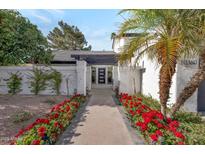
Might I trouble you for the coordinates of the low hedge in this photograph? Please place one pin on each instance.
(47, 129)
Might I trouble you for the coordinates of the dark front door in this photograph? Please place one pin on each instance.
(201, 98)
(101, 75)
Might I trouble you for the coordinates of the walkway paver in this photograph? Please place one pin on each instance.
(99, 123)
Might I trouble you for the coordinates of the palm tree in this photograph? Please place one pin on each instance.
(166, 35)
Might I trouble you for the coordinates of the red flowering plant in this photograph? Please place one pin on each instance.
(154, 127)
(46, 130)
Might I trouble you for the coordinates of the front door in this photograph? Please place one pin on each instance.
(101, 75)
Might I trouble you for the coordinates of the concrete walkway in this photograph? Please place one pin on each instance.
(99, 122)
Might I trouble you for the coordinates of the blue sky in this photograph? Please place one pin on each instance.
(97, 25)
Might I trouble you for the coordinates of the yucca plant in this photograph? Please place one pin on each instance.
(165, 36)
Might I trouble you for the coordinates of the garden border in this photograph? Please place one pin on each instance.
(69, 132)
(135, 135)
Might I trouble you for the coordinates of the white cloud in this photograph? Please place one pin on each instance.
(56, 12)
(42, 18)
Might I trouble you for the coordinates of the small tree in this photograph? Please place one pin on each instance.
(38, 81)
(14, 83)
(56, 78)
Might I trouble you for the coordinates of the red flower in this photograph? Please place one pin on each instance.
(139, 99)
(138, 111)
(138, 123)
(169, 120)
(173, 129)
(56, 115)
(41, 134)
(174, 124)
(159, 133)
(160, 116)
(67, 108)
(159, 125)
(143, 127)
(36, 142)
(30, 127)
(61, 126)
(147, 120)
(179, 135)
(56, 124)
(41, 129)
(180, 143)
(154, 137)
(20, 133)
(45, 121)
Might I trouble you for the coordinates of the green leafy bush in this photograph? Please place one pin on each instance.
(14, 83)
(38, 81)
(188, 117)
(55, 78)
(150, 101)
(195, 133)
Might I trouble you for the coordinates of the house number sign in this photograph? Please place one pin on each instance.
(189, 62)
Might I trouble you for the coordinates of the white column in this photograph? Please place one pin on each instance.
(88, 77)
(96, 75)
(106, 74)
(115, 77)
(81, 77)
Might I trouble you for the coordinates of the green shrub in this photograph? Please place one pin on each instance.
(150, 101)
(188, 117)
(195, 133)
(55, 78)
(38, 81)
(14, 83)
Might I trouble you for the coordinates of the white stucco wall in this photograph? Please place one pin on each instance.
(115, 77)
(150, 78)
(129, 79)
(119, 44)
(150, 82)
(81, 69)
(185, 71)
(68, 73)
(88, 77)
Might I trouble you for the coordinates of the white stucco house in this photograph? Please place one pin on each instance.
(84, 70)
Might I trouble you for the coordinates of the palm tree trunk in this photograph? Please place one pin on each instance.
(166, 74)
(191, 86)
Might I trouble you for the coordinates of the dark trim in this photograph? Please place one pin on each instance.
(63, 62)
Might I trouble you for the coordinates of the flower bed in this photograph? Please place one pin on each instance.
(152, 125)
(46, 129)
